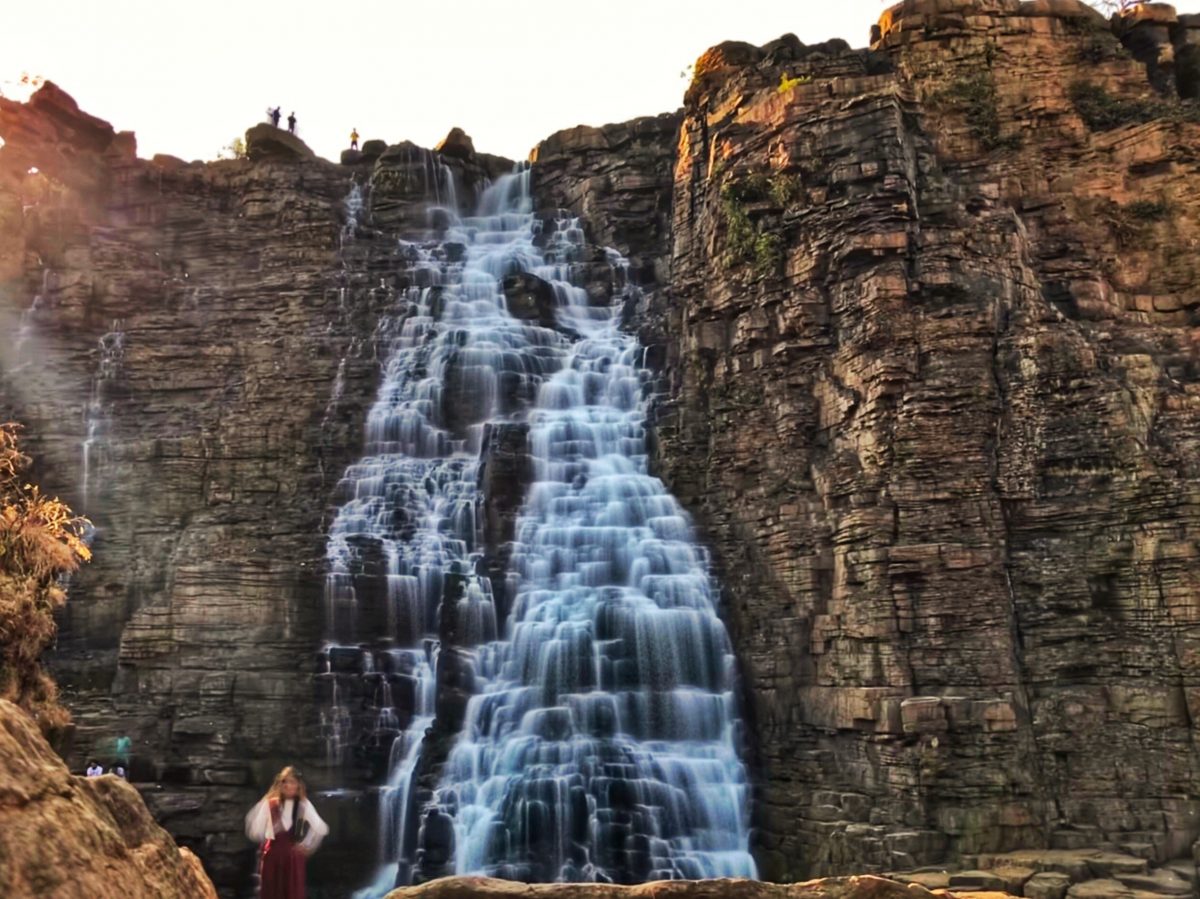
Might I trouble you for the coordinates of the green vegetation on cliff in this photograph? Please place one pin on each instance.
(1101, 111)
(40, 541)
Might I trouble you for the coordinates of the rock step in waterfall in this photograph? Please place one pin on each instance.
(600, 738)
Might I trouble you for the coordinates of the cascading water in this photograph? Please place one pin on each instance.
(25, 326)
(456, 362)
(600, 742)
(97, 419)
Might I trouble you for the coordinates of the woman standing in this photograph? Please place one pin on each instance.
(290, 829)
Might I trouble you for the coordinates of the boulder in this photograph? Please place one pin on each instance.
(373, 149)
(457, 144)
(530, 299)
(1047, 885)
(265, 142)
(351, 157)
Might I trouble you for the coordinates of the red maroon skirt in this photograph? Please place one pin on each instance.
(282, 869)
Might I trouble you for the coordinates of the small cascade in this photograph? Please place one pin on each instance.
(354, 204)
(97, 413)
(600, 737)
(397, 838)
(28, 320)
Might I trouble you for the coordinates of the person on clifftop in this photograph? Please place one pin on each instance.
(289, 830)
(274, 114)
(292, 122)
(353, 138)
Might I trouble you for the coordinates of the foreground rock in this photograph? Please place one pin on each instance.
(68, 836)
(833, 888)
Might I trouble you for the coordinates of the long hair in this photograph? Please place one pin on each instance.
(276, 790)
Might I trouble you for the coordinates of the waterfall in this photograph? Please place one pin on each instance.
(600, 740)
(28, 321)
(97, 414)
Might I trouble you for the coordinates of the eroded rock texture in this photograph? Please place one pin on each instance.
(192, 348)
(68, 836)
(934, 396)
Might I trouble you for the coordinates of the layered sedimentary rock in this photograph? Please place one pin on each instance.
(933, 393)
(191, 349)
(69, 836)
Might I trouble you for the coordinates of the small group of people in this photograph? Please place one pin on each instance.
(273, 115)
(95, 769)
(289, 830)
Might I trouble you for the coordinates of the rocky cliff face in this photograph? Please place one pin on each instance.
(925, 320)
(71, 836)
(931, 389)
(191, 350)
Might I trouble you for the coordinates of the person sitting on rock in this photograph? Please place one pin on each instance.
(289, 829)
(94, 770)
(292, 122)
(117, 770)
(353, 138)
(274, 114)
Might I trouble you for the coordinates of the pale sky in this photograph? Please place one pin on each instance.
(190, 77)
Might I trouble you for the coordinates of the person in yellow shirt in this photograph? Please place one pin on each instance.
(353, 138)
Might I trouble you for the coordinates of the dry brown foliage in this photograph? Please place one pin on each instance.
(40, 542)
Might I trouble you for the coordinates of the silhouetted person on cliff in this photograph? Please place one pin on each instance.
(292, 123)
(274, 114)
(353, 138)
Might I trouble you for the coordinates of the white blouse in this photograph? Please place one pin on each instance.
(259, 825)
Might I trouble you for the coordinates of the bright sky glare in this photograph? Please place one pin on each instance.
(189, 78)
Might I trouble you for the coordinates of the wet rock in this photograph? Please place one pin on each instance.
(531, 299)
